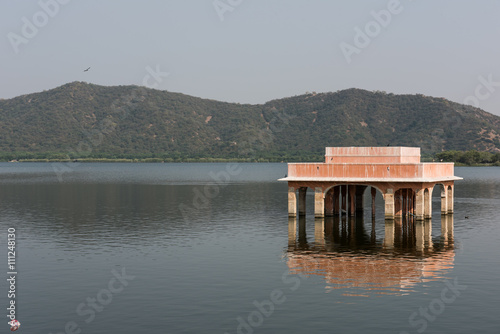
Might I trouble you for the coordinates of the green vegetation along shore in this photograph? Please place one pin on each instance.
(460, 158)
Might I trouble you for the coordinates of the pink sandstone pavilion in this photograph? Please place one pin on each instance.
(405, 183)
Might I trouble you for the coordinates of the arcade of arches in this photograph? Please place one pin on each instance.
(404, 199)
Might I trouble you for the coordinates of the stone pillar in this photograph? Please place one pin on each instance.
(404, 210)
(419, 204)
(352, 200)
(336, 206)
(444, 200)
(413, 203)
(397, 204)
(428, 203)
(329, 203)
(360, 190)
(389, 204)
(319, 203)
(374, 193)
(292, 202)
(450, 191)
(343, 207)
(302, 200)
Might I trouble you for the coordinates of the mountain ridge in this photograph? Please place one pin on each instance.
(80, 120)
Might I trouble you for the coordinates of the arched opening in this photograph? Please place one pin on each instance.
(349, 199)
(404, 202)
(300, 201)
(336, 200)
(439, 199)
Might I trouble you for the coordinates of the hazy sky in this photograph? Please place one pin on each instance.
(253, 51)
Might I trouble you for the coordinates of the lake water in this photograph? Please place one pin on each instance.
(209, 248)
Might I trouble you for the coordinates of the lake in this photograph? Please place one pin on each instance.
(209, 248)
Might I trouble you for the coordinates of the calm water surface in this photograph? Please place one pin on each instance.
(208, 248)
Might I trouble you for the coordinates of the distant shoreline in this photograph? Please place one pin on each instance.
(149, 160)
(197, 160)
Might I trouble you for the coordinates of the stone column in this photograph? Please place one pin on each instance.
(444, 200)
(428, 203)
(389, 204)
(343, 195)
(360, 190)
(319, 203)
(404, 210)
(336, 195)
(292, 202)
(450, 191)
(352, 200)
(329, 203)
(397, 204)
(413, 203)
(419, 204)
(302, 200)
(374, 193)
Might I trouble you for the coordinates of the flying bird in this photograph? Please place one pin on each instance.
(86, 69)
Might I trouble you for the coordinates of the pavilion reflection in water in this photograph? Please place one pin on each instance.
(350, 256)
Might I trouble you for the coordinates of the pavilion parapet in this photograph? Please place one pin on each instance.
(388, 171)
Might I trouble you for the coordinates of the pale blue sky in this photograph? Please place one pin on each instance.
(261, 50)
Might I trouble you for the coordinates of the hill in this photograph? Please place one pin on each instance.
(85, 120)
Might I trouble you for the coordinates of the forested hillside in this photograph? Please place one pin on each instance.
(80, 120)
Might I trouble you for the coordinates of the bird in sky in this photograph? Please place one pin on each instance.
(86, 69)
